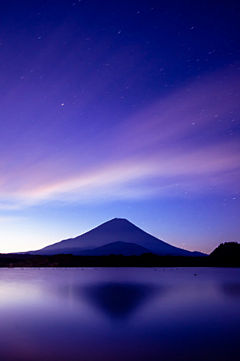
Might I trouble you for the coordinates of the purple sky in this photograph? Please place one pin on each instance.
(119, 109)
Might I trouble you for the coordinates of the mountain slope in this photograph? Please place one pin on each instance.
(126, 249)
(115, 230)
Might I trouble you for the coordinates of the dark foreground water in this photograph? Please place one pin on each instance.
(120, 314)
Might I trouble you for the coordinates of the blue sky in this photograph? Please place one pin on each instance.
(119, 109)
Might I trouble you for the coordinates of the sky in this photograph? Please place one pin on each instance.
(127, 109)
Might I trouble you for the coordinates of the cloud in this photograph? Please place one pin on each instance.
(187, 142)
(4, 219)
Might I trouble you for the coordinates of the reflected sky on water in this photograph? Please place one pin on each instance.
(115, 314)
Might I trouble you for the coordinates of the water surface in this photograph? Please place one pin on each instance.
(120, 314)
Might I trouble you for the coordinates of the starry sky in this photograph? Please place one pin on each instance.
(126, 109)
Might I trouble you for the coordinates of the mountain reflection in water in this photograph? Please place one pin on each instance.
(118, 300)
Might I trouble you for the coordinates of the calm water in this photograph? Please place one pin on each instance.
(120, 314)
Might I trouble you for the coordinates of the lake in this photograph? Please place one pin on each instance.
(120, 314)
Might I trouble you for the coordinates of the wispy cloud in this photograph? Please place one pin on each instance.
(187, 142)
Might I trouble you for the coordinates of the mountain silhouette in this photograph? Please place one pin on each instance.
(118, 236)
(226, 255)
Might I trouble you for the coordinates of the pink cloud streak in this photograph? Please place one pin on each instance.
(181, 142)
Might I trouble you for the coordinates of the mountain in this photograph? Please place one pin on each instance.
(116, 235)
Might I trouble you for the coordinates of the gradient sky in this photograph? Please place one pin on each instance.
(124, 109)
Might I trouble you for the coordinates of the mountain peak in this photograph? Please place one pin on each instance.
(116, 223)
(118, 220)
